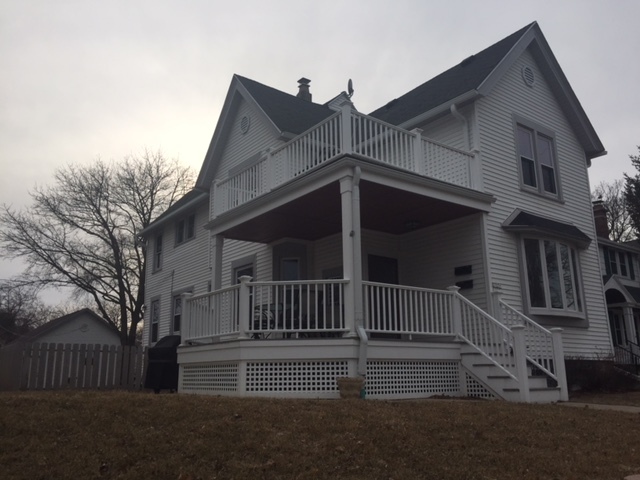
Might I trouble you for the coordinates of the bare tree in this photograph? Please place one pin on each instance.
(632, 193)
(21, 310)
(83, 232)
(618, 216)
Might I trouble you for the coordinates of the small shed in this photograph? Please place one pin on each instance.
(82, 327)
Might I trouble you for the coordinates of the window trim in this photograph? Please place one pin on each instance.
(175, 295)
(622, 260)
(537, 130)
(184, 226)
(575, 274)
(158, 254)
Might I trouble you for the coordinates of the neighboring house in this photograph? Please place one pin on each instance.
(435, 245)
(82, 327)
(621, 278)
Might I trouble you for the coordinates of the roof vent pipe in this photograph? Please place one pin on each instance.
(303, 89)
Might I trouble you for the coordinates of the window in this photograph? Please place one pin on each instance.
(177, 312)
(537, 160)
(552, 276)
(185, 229)
(618, 262)
(154, 317)
(157, 254)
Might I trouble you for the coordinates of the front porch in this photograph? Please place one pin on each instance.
(247, 340)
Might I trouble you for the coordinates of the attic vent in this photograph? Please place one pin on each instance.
(244, 124)
(528, 75)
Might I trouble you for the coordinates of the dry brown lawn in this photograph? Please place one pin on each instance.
(631, 399)
(121, 435)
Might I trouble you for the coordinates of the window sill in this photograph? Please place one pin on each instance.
(551, 319)
(548, 196)
(176, 245)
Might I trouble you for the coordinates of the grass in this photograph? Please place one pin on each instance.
(631, 399)
(123, 435)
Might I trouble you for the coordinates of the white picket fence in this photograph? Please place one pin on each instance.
(50, 366)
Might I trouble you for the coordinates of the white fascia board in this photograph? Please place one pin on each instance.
(179, 211)
(443, 108)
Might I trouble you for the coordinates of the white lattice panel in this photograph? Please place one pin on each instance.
(295, 376)
(475, 388)
(412, 378)
(210, 378)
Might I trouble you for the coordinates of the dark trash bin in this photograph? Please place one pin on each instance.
(162, 369)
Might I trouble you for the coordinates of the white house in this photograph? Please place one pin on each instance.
(442, 244)
(620, 266)
(83, 326)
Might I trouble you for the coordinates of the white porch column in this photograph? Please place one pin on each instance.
(629, 324)
(347, 139)
(217, 242)
(348, 233)
(520, 356)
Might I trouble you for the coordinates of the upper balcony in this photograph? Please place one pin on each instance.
(347, 133)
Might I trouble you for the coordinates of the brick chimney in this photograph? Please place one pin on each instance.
(600, 218)
(303, 89)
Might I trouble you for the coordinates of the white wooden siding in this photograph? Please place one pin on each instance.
(183, 266)
(450, 131)
(501, 178)
(241, 147)
(429, 256)
(236, 250)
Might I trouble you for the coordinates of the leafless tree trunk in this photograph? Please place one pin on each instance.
(83, 231)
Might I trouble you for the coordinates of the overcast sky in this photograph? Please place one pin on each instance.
(86, 79)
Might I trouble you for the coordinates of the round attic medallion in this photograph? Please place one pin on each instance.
(528, 76)
(244, 124)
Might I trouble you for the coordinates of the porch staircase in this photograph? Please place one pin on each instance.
(512, 356)
(501, 382)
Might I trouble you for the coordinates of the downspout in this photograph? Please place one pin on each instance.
(463, 122)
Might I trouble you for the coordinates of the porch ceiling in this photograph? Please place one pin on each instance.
(318, 214)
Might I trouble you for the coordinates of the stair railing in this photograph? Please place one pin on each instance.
(544, 349)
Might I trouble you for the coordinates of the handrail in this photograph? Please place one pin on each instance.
(344, 132)
(402, 309)
(490, 337)
(539, 340)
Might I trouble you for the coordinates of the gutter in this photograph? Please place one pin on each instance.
(187, 206)
(362, 354)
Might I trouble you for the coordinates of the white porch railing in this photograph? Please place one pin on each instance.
(210, 315)
(300, 307)
(259, 309)
(345, 132)
(407, 310)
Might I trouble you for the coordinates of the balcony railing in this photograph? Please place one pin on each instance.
(346, 132)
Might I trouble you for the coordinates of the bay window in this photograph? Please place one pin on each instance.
(551, 272)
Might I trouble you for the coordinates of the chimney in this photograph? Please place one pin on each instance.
(600, 218)
(303, 89)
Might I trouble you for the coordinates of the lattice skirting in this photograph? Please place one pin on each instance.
(386, 379)
(309, 377)
(211, 378)
(475, 388)
(412, 379)
(283, 378)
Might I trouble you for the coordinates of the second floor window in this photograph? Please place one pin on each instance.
(157, 254)
(618, 262)
(185, 229)
(537, 160)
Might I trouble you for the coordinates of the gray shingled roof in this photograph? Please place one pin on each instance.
(464, 77)
(288, 112)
